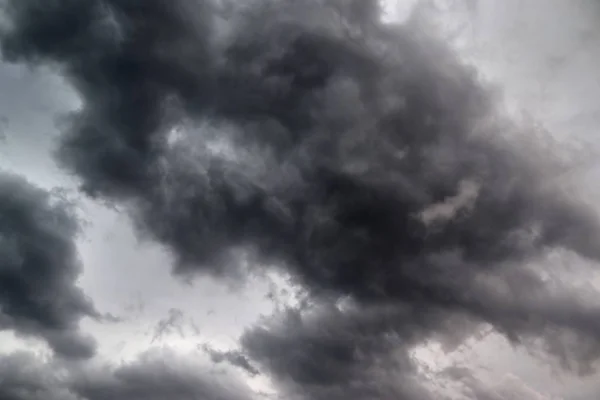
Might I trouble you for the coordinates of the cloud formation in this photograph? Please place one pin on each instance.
(335, 353)
(154, 375)
(39, 267)
(235, 358)
(361, 159)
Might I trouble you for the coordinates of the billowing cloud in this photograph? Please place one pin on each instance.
(39, 267)
(332, 352)
(361, 159)
(154, 375)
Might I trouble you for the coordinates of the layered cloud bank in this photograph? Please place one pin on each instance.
(361, 159)
(154, 375)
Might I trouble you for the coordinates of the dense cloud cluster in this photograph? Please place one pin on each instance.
(39, 267)
(359, 158)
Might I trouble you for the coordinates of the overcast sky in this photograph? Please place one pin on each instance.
(315, 200)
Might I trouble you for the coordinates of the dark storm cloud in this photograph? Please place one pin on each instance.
(154, 375)
(39, 266)
(328, 352)
(348, 351)
(362, 159)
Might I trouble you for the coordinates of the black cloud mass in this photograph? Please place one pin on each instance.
(362, 159)
(39, 266)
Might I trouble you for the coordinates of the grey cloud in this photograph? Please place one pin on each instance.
(23, 376)
(310, 136)
(39, 267)
(173, 322)
(328, 352)
(159, 375)
(508, 387)
(154, 375)
(233, 357)
(346, 351)
(3, 128)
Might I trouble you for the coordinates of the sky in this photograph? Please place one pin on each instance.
(299, 200)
